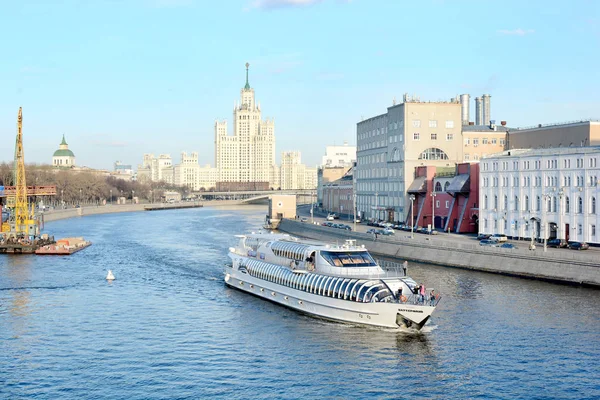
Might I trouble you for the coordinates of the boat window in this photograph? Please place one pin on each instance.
(310, 283)
(352, 290)
(382, 295)
(325, 285)
(336, 287)
(329, 286)
(318, 284)
(368, 294)
(348, 259)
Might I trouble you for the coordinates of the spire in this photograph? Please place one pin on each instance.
(247, 84)
(64, 142)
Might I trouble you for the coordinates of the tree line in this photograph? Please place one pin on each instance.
(86, 187)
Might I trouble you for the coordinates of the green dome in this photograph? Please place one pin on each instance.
(63, 153)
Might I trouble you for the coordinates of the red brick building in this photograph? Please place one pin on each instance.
(446, 196)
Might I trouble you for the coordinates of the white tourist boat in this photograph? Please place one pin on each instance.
(337, 282)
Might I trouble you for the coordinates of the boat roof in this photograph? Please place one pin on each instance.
(286, 240)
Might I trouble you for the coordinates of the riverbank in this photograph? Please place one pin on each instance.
(568, 267)
(56, 215)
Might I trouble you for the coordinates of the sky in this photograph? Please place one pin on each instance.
(121, 78)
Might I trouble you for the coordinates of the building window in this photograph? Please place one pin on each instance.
(505, 202)
(475, 142)
(434, 136)
(446, 185)
(494, 141)
(579, 229)
(416, 123)
(516, 203)
(495, 202)
(579, 205)
(501, 142)
(467, 142)
(593, 205)
(437, 204)
(416, 136)
(484, 141)
(485, 223)
(485, 202)
(433, 154)
(467, 157)
(449, 124)
(432, 124)
(438, 187)
(593, 230)
(449, 136)
(447, 204)
(538, 204)
(567, 205)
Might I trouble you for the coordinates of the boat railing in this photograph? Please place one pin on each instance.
(392, 269)
(417, 299)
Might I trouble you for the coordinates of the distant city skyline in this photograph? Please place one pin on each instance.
(117, 90)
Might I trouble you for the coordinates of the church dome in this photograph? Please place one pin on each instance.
(63, 153)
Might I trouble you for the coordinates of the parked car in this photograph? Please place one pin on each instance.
(373, 231)
(578, 246)
(508, 246)
(499, 237)
(488, 242)
(386, 232)
(483, 236)
(330, 217)
(558, 243)
(303, 219)
(346, 227)
(433, 232)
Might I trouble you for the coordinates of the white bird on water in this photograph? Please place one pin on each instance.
(110, 276)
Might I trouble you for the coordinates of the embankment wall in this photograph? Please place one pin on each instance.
(571, 267)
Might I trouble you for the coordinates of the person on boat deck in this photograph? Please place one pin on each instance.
(400, 292)
(422, 292)
(432, 298)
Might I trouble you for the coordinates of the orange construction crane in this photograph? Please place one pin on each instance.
(23, 214)
(46, 190)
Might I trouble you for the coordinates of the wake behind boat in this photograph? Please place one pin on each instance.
(338, 282)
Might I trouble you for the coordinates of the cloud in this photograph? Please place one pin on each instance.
(516, 32)
(275, 4)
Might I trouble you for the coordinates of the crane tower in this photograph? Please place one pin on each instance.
(24, 221)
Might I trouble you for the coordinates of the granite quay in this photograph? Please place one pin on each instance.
(578, 268)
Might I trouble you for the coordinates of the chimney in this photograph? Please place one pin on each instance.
(465, 100)
(478, 111)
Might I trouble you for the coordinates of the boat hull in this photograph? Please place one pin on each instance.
(388, 315)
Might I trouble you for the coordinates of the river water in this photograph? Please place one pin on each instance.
(169, 328)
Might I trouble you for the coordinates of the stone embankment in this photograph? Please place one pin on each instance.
(567, 267)
(59, 214)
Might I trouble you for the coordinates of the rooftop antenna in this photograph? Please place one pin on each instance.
(247, 84)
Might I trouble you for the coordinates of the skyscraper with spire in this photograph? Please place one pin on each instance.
(245, 159)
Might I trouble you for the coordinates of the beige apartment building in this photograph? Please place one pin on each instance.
(248, 155)
(391, 145)
(571, 134)
(295, 175)
(483, 140)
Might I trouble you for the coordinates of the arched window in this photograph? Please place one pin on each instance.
(433, 154)
(495, 202)
(567, 205)
(593, 205)
(526, 208)
(579, 205)
(446, 186)
(485, 203)
(505, 203)
(538, 203)
(516, 203)
(438, 187)
(553, 204)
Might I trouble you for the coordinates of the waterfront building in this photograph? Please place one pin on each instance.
(569, 134)
(123, 169)
(541, 193)
(482, 140)
(325, 175)
(63, 157)
(448, 196)
(391, 145)
(294, 174)
(339, 156)
(155, 169)
(338, 196)
(186, 172)
(245, 159)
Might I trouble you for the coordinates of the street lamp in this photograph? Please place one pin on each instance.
(412, 217)
(111, 197)
(80, 197)
(432, 194)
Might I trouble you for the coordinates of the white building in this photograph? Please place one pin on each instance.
(547, 193)
(190, 174)
(63, 157)
(339, 156)
(391, 145)
(156, 169)
(294, 174)
(249, 154)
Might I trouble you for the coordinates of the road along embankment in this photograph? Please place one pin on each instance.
(569, 267)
